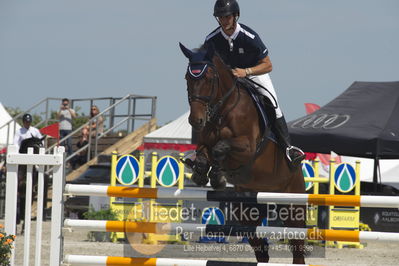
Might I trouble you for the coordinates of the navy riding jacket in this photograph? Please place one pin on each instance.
(242, 49)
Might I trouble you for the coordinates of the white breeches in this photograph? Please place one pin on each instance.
(270, 93)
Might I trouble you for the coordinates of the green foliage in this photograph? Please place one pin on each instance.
(364, 227)
(80, 119)
(6, 244)
(16, 111)
(100, 215)
(108, 215)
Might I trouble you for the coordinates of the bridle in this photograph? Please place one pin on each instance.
(212, 107)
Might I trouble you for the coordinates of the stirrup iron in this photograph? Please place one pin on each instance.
(289, 148)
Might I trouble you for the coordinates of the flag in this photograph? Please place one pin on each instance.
(52, 130)
(311, 107)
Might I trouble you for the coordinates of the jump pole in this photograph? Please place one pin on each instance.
(231, 230)
(231, 196)
(123, 261)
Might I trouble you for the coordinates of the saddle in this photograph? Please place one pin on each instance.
(263, 105)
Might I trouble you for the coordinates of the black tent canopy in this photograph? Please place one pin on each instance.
(363, 121)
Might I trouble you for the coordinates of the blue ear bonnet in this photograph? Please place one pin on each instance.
(197, 70)
(198, 64)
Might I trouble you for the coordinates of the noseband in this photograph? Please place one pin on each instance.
(197, 71)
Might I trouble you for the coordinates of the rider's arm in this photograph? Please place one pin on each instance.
(36, 133)
(264, 66)
(17, 139)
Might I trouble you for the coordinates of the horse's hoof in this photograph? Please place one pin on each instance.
(219, 183)
(216, 176)
(188, 162)
(200, 180)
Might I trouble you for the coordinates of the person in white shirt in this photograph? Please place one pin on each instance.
(65, 116)
(27, 131)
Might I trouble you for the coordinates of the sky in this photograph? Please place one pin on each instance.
(104, 48)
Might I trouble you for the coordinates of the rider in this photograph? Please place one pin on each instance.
(242, 49)
(26, 131)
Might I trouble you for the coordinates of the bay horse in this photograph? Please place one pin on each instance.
(232, 145)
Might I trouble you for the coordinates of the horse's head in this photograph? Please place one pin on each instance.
(202, 82)
(35, 143)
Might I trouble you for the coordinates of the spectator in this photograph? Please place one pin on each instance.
(81, 157)
(26, 131)
(97, 125)
(65, 116)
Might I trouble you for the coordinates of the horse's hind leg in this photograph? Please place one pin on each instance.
(259, 245)
(297, 219)
(297, 246)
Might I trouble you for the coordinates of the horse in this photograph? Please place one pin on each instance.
(233, 145)
(36, 144)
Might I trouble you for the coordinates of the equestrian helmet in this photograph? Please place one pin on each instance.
(224, 8)
(27, 118)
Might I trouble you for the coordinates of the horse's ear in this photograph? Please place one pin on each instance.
(187, 52)
(44, 136)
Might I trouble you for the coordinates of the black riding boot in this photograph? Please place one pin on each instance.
(294, 154)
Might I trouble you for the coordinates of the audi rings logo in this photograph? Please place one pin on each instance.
(326, 121)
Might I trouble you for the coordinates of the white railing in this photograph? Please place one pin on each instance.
(55, 160)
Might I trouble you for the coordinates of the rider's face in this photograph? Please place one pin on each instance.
(26, 124)
(227, 23)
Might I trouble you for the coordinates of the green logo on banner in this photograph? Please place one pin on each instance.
(345, 177)
(127, 170)
(307, 171)
(167, 171)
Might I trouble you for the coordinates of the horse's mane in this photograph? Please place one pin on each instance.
(204, 47)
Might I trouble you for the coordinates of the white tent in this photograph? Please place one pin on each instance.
(4, 118)
(389, 169)
(177, 131)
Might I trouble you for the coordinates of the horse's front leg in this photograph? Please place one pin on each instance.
(228, 154)
(200, 167)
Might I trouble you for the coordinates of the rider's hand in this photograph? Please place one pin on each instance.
(239, 72)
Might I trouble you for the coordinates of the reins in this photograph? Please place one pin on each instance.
(215, 115)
